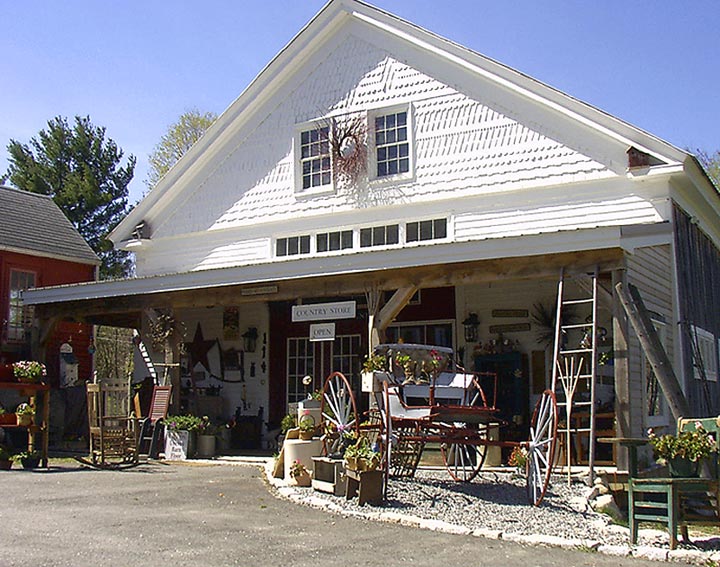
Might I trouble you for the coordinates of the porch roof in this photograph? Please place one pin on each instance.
(120, 302)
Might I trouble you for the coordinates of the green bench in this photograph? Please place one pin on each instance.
(676, 501)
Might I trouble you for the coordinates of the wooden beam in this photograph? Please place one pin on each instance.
(640, 320)
(394, 305)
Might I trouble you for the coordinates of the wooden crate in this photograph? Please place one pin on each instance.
(329, 475)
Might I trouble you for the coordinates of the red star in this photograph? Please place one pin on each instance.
(198, 350)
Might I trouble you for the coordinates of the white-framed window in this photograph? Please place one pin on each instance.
(313, 158)
(419, 231)
(332, 241)
(656, 412)
(392, 154)
(292, 245)
(379, 235)
(705, 354)
(19, 316)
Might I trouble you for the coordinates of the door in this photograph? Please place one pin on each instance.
(318, 360)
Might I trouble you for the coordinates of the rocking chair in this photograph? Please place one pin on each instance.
(151, 427)
(113, 431)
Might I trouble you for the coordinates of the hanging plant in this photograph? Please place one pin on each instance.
(543, 317)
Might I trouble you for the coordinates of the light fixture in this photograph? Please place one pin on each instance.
(250, 339)
(471, 324)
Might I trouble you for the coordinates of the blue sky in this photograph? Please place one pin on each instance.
(135, 66)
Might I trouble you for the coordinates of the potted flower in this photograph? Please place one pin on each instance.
(180, 436)
(6, 458)
(29, 459)
(24, 414)
(205, 438)
(372, 365)
(29, 371)
(307, 427)
(683, 452)
(361, 457)
(299, 474)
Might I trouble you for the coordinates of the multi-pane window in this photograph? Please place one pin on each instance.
(379, 235)
(19, 316)
(292, 245)
(705, 357)
(392, 147)
(329, 241)
(426, 230)
(315, 157)
(300, 363)
(346, 355)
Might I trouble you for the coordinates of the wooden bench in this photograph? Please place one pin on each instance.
(675, 501)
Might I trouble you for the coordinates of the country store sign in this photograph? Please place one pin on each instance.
(323, 311)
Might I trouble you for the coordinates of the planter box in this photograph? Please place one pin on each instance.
(373, 381)
(176, 445)
(329, 475)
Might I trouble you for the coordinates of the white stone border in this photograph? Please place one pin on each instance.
(689, 556)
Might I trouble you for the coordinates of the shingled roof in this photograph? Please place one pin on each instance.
(33, 224)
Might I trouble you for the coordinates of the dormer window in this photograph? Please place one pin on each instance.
(314, 158)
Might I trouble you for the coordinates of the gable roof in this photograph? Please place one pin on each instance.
(465, 63)
(33, 224)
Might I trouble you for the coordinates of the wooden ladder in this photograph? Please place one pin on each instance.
(575, 360)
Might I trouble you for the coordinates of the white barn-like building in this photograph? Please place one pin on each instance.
(372, 155)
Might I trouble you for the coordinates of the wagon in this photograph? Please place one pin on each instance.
(420, 396)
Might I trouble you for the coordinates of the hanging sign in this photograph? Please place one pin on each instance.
(323, 311)
(322, 332)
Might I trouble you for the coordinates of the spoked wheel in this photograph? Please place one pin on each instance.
(541, 447)
(463, 460)
(338, 412)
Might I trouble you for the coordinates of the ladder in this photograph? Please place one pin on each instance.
(575, 360)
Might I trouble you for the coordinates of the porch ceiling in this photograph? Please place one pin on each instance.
(108, 308)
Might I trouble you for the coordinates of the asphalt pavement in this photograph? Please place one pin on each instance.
(190, 514)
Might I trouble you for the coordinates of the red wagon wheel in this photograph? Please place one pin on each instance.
(338, 412)
(541, 447)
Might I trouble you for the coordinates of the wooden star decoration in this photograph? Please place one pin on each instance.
(198, 350)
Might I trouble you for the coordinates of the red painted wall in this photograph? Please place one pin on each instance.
(48, 272)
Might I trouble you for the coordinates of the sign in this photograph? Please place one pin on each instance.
(511, 328)
(322, 332)
(510, 313)
(323, 311)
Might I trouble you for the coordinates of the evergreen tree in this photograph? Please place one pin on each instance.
(80, 169)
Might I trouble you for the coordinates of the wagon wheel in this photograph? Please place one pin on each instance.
(541, 447)
(338, 412)
(463, 460)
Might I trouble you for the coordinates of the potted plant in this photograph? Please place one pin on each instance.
(29, 459)
(361, 457)
(206, 432)
(180, 436)
(307, 427)
(299, 474)
(24, 414)
(29, 371)
(6, 458)
(683, 452)
(373, 364)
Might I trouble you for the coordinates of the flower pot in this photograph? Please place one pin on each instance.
(680, 467)
(206, 446)
(24, 420)
(307, 435)
(302, 479)
(351, 463)
(29, 463)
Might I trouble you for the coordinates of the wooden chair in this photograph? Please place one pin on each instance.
(677, 501)
(151, 428)
(113, 430)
